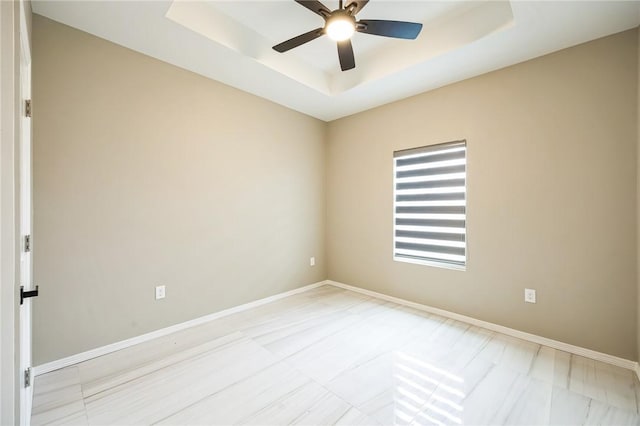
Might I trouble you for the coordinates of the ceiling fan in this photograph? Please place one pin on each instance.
(340, 24)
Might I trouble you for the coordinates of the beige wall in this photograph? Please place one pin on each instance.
(638, 202)
(551, 195)
(146, 174)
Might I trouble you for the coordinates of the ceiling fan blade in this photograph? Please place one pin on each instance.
(315, 6)
(356, 6)
(345, 54)
(396, 29)
(298, 41)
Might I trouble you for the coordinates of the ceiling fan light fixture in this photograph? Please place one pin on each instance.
(340, 26)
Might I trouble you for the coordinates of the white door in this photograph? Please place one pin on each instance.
(26, 393)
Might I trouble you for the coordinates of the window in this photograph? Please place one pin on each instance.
(430, 205)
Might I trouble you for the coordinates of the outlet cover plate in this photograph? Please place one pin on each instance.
(529, 295)
(160, 292)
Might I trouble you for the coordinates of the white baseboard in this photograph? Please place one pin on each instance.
(103, 350)
(577, 350)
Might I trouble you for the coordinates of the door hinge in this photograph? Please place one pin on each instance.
(27, 377)
(27, 108)
(27, 243)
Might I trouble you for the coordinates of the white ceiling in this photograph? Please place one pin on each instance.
(230, 41)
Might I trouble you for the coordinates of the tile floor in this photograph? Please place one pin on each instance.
(331, 356)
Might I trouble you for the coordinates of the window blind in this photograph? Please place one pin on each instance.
(430, 204)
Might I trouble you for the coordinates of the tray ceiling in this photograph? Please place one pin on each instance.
(230, 41)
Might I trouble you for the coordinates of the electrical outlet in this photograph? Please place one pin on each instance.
(529, 295)
(160, 292)
(312, 261)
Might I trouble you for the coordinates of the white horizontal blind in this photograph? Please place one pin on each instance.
(430, 204)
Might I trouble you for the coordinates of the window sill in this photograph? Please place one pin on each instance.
(431, 263)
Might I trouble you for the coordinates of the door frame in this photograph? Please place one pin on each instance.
(9, 401)
(10, 109)
(25, 200)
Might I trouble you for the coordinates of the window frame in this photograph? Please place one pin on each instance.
(430, 261)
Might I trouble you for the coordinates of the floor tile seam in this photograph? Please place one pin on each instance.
(555, 387)
(589, 405)
(512, 384)
(288, 336)
(548, 404)
(523, 392)
(596, 400)
(480, 349)
(286, 361)
(605, 402)
(361, 405)
(221, 390)
(492, 333)
(431, 339)
(59, 419)
(374, 355)
(84, 404)
(418, 316)
(406, 331)
(422, 406)
(274, 402)
(243, 333)
(430, 398)
(484, 376)
(359, 321)
(476, 354)
(442, 329)
(362, 361)
(347, 412)
(351, 369)
(323, 386)
(151, 362)
(533, 360)
(274, 317)
(56, 405)
(326, 304)
(477, 351)
(282, 397)
(181, 362)
(319, 400)
(82, 411)
(53, 393)
(604, 389)
(297, 323)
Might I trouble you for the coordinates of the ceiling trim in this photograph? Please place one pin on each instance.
(462, 25)
(207, 21)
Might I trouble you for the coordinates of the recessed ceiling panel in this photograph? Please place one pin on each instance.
(253, 27)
